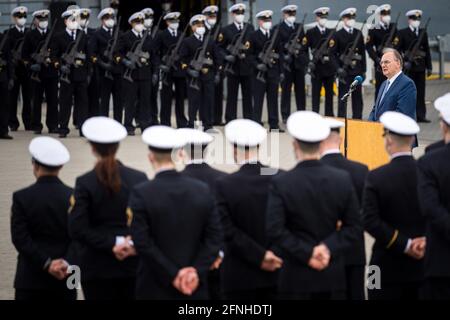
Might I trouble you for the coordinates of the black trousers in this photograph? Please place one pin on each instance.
(167, 95)
(397, 291)
(379, 79)
(137, 102)
(296, 78)
(45, 295)
(269, 88)
(22, 81)
(336, 295)
(201, 101)
(317, 83)
(49, 86)
(260, 294)
(110, 87)
(154, 104)
(218, 103)
(355, 282)
(94, 95)
(76, 93)
(214, 288)
(4, 107)
(419, 80)
(109, 289)
(437, 289)
(356, 99)
(233, 83)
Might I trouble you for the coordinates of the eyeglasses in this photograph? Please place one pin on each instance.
(386, 62)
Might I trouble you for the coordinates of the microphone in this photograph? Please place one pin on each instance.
(358, 80)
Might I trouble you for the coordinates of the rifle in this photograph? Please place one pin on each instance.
(268, 55)
(412, 54)
(319, 52)
(388, 42)
(156, 28)
(110, 49)
(199, 61)
(348, 56)
(293, 46)
(3, 63)
(235, 48)
(170, 59)
(137, 57)
(16, 54)
(42, 55)
(69, 58)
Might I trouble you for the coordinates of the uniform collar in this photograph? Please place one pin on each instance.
(264, 32)
(194, 161)
(48, 179)
(19, 28)
(239, 25)
(348, 29)
(106, 29)
(198, 36)
(42, 31)
(321, 29)
(290, 25)
(136, 34)
(330, 151)
(401, 154)
(69, 32)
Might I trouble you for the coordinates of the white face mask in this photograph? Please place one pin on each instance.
(174, 25)
(290, 19)
(323, 22)
(72, 25)
(386, 19)
(350, 23)
(110, 23)
(267, 25)
(200, 31)
(43, 25)
(239, 18)
(148, 23)
(84, 23)
(139, 28)
(21, 22)
(415, 23)
(212, 22)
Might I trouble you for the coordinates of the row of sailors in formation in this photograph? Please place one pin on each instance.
(201, 233)
(239, 59)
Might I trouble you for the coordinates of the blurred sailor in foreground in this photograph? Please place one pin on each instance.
(99, 220)
(355, 256)
(434, 196)
(392, 214)
(251, 260)
(304, 207)
(175, 226)
(39, 227)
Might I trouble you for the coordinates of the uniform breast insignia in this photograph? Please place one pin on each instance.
(305, 41)
(331, 43)
(129, 213)
(72, 204)
(395, 41)
(247, 45)
(220, 37)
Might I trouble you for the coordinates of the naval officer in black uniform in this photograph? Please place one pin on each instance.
(99, 220)
(355, 256)
(249, 270)
(39, 227)
(304, 207)
(175, 228)
(434, 191)
(6, 73)
(238, 68)
(392, 214)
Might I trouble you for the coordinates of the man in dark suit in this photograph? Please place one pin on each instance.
(201, 84)
(398, 92)
(20, 78)
(173, 75)
(6, 73)
(137, 85)
(355, 62)
(175, 229)
(39, 227)
(44, 77)
(109, 72)
(323, 72)
(73, 79)
(392, 214)
(304, 207)
(434, 191)
(266, 77)
(197, 168)
(249, 270)
(378, 40)
(419, 66)
(355, 256)
(238, 68)
(294, 65)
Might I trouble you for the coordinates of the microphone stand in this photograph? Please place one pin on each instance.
(344, 99)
